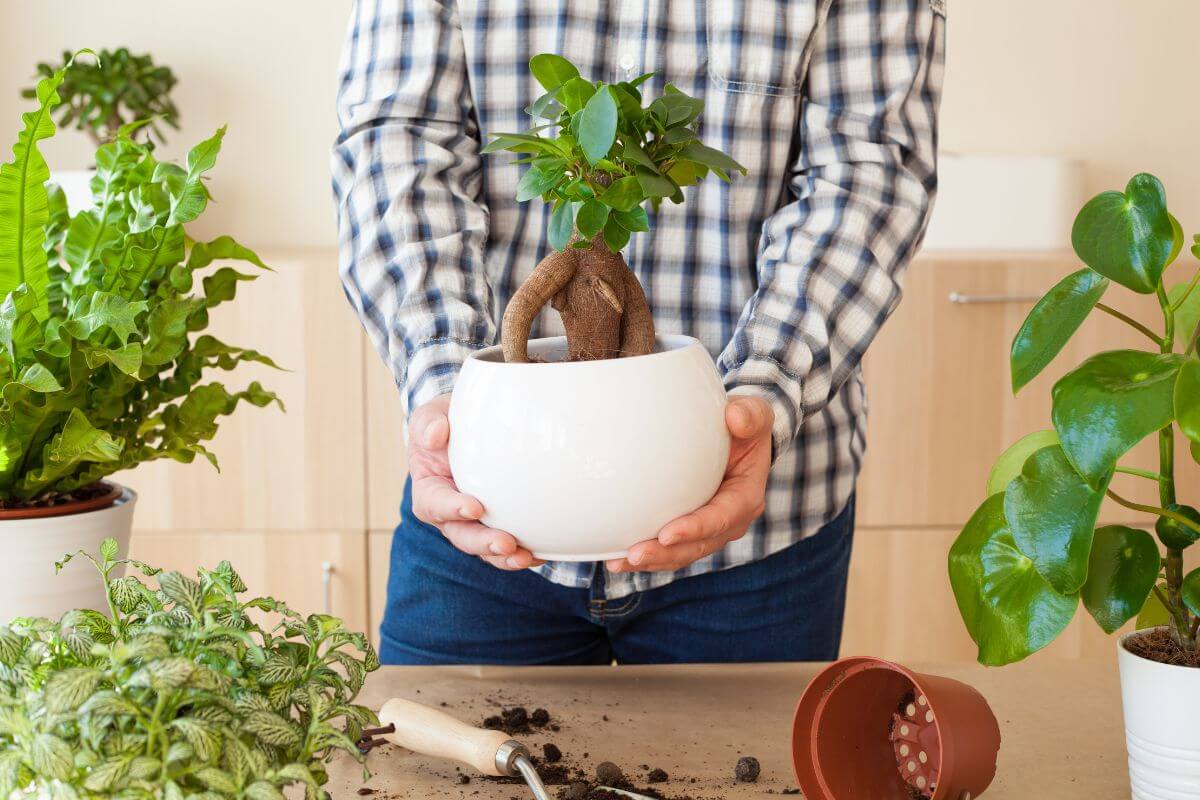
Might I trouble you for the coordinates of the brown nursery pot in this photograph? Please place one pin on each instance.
(107, 494)
(868, 729)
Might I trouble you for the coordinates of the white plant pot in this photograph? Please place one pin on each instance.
(31, 546)
(76, 185)
(1162, 727)
(580, 460)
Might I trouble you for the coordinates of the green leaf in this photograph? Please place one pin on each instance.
(1191, 591)
(710, 157)
(51, 757)
(271, 729)
(202, 735)
(221, 286)
(66, 690)
(1186, 397)
(1051, 510)
(1127, 236)
(535, 183)
(218, 780)
(653, 184)
(219, 249)
(1174, 533)
(167, 327)
(575, 94)
(634, 154)
(1052, 322)
(190, 197)
(1008, 607)
(591, 219)
(1121, 572)
(624, 194)
(615, 236)
(182, 590)
(77, 442)
(37, 378)
(1187, 316)
(1153, 614)
(24, 204)
(1110, 403)
(562, 224)
(109, 549)
(104, 311)
(633, 220)
(1008, 466)
(598, 126)
(551, 70)
(261, 790)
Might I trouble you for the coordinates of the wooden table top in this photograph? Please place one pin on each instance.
(1060, 722)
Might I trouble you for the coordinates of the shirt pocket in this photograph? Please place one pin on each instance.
(760, 46)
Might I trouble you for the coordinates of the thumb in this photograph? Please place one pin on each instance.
(430, 429)
(748, 417)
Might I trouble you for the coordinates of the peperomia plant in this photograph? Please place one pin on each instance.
(607, 157)
(117, 88)
(99, 368)
(180, 690)
(1032, 551)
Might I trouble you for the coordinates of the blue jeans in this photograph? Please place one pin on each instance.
(446, 607)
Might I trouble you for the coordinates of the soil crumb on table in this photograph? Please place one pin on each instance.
(747, 769)
(1157, 645)
(518, 720)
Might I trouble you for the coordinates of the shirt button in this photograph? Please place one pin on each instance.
(626, 65)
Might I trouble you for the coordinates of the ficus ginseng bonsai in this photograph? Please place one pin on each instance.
(99, 366)
(183, 689)
(1032, 551)
(608, 156)
(114, 89)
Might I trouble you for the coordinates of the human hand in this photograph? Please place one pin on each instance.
(738, 502)
(437, 500)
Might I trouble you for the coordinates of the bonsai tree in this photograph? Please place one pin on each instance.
(183, 689)
(607, 156)
(116, 89)
(100, 364)
(1032, 551)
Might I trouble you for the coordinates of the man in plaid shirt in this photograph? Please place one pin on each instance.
(786, 276)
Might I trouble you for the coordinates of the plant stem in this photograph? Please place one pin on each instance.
(1141, 473)
(1178, 304)
(1155, 510)
(1130, 321)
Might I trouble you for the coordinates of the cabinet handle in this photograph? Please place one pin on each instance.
(982, 299)
(327, 585)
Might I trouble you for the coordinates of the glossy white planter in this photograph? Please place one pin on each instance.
(31, 546)
(1162, 727)
(580, 460)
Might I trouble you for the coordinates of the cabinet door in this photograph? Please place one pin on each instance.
(387, 465)
(302, 469)
(940, 396)
(319, 572)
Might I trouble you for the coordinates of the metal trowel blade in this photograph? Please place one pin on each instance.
(624, 793)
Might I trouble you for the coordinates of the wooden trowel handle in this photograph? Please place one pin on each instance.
(433, 733)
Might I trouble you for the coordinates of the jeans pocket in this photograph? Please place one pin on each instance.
(760, 46)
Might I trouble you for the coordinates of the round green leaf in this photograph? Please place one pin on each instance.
(615, 237)
(1052, 322)
(597, 127)
(591, 218)
(1051, 511)
(551, 70)
(1174, 533)
(575, 93)
(1191, 591)
(1121, 572)
(562, 223)
(1008, 607)
(1187, 399)
(1187, 316)
(1008, 466)
(1177, 241)
(1153, 614)
(1127, 236)
(623, 195)
(633, 220)
(1110, 403)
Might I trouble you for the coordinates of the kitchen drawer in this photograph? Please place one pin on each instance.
(940, 396)
(299, 470)
(317, 572)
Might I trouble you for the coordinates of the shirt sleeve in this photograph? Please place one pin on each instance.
(408, 186)
(830, 263)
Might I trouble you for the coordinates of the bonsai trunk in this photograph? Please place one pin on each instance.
(602, 305)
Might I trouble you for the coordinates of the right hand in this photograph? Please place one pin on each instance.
(437, 501)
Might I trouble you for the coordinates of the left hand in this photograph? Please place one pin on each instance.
(738, 502)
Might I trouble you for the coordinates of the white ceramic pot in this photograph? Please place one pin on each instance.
(580, 460)
(77, 186)
(31, 546)
(1162, 727)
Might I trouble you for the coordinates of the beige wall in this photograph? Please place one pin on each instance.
(1111, 82)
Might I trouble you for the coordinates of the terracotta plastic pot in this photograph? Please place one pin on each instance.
(868, 729)
(34, 538)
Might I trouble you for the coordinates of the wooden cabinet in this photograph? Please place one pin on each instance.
(939, 392)
(312, 571)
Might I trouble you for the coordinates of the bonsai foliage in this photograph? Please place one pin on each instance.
(116, 89)
(1033, 551)
(99, 366)
(180, 690)
(605, 155)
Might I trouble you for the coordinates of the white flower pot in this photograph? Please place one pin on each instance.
(31, 546)
(1162, 727)
(77, 186)
(580, 460)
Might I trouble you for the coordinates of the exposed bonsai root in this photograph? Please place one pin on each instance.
(602, 305)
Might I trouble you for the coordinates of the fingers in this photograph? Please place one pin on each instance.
(653, 556)
(495, 547)
(748, 417)
(429, 428)
(436, 500)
